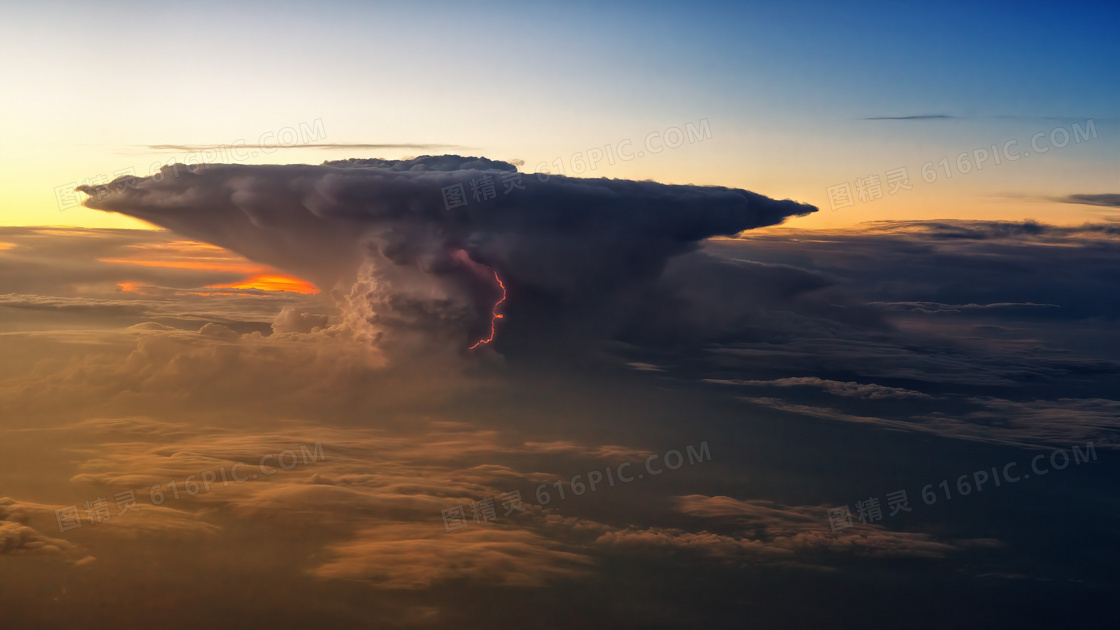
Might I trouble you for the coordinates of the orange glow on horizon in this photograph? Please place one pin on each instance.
(269, 282)
(196, 256)
(197, 265)
(272, 282)
(193, 255)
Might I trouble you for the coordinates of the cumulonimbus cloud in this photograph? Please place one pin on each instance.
(413, 258)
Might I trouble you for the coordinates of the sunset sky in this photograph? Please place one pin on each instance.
(787, 89)
(577, 315)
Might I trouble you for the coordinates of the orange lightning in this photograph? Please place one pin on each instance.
(494, 315)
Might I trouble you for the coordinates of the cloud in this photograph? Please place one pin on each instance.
(999, 117)
(85, 306)
(865, 391)
(1020, 231)
(707, 298)
(372, 495)
(936, 307)
(402, 556)
(327, 145)
(574, 254)
(291, 320)
(70, 278)
(917, 117)
(1062, 422)
(17, 537)
(905, 325)
(865, 345)
(1106, 200)
(774, 533)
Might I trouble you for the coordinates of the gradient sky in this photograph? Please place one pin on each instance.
(786, 89)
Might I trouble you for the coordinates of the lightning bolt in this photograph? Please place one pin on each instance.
(494, 315)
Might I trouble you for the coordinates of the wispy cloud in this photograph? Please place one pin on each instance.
(996, 117)
(917, 117)
(326, 146)
(1106, 200)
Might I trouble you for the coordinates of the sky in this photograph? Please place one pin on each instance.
(673, 315)
(786, 89)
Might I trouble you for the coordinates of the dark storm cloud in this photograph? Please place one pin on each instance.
(960, 314)
(904, 324)
(704, 298)
(576, 255)
(907, 325)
